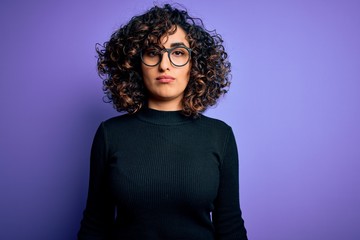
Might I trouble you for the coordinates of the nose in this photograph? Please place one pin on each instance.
(165, 62)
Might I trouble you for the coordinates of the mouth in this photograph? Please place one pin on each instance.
(165, 79)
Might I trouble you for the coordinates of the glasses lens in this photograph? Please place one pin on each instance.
(151, 56)
(179, 56)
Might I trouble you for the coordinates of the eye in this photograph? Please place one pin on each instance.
(179, 52)
(151, 52)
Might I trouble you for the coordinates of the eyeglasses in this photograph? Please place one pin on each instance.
(179, 56)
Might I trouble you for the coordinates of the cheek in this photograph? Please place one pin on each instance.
(147, 74)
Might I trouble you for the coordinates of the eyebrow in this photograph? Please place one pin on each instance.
(177, 44)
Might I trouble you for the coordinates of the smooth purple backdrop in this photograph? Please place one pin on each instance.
(294, 106)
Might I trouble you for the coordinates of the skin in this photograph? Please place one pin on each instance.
(166, 94)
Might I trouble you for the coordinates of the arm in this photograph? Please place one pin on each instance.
(99, 213)
(227, 214)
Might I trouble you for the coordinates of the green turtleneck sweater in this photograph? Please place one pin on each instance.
(161, 175)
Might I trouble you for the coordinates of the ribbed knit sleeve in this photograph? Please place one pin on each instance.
(227, 218)
(99, 213)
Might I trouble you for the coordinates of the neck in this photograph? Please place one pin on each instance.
(165, 106)
(159, 117)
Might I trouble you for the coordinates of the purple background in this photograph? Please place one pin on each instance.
(294, 107)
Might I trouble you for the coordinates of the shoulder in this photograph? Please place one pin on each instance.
(114, 129)
(219, 133)
(118, 121)
(118, 125)
(214, 128)
(214, 123)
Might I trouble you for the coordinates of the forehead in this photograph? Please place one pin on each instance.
(177, 36)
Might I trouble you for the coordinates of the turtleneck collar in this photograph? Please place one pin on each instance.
(162, 117)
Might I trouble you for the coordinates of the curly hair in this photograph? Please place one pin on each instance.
(119, 62)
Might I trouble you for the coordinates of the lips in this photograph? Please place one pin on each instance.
(165, 78)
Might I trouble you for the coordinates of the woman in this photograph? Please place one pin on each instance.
(163, 170)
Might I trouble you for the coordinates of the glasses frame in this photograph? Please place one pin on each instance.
(168, 50)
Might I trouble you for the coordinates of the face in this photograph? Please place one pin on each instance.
(166, 82)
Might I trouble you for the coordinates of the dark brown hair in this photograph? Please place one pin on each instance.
(119, 61)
